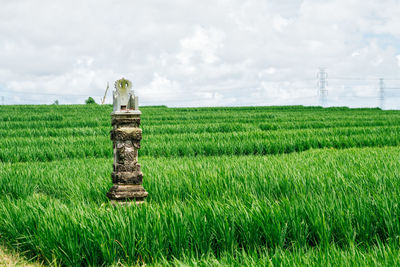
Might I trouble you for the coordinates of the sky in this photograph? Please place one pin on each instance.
(200, 53)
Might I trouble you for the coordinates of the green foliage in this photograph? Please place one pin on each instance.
(90, 100)
(232, 186)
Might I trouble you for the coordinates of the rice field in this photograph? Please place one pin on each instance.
(288, 185)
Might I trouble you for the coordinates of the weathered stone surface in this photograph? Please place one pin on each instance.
(135, 177)
(125, 154)
(126, 134)
(124, 192)
(125, 120)
(127, 176)
(130, 167)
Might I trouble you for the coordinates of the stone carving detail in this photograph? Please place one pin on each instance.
(126, 167)
(126, 136)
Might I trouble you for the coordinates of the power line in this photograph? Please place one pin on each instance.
(50, 94)
(363, 79)
(322, 85)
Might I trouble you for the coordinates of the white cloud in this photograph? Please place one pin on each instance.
(203, 43)
(160, 89)
(280, 23)
(195, 53)
(270, 70)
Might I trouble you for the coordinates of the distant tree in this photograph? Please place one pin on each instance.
(90, 100)
(56, 102)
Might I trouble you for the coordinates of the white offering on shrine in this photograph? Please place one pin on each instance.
(124, 98)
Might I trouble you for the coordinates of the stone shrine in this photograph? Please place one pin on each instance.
(126, 135)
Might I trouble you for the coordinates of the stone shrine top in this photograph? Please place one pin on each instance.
(124, 99)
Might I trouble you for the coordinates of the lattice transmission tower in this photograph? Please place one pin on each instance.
(381, 93)
(322, 84)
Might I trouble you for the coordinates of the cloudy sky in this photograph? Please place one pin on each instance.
(200, 53)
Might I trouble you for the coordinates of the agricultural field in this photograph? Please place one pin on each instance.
(253, 186)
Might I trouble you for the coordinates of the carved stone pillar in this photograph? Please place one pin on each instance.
(126, 135)
(127, 176)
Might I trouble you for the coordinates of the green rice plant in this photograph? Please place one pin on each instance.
(227, 186)
(204, 205)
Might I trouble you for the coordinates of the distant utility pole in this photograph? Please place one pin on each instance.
(2, 100)
(105, 94)
(322, 83)
(381, 93)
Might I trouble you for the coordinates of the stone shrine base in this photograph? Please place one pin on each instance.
(127, 193)
(127, 177)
